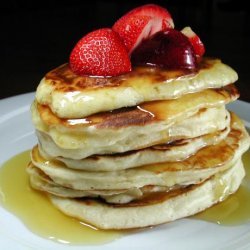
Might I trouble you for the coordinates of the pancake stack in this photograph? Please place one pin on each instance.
(140, 149)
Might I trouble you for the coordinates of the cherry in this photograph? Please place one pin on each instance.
(167, 49)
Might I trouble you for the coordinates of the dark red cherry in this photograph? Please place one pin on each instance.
(167, 49)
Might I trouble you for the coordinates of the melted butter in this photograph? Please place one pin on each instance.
(36, 211)
(235, 209)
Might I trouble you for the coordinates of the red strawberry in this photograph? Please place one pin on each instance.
(142, 22)
(199, 47)
(168, 49)
(100, 53)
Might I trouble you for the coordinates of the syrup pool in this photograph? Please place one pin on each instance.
(42, 218)
(235, 210)
(36, 211)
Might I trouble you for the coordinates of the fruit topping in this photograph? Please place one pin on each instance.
(146, 35)
(141, 23)
(100, 53)
(199, 48)
(168, 49)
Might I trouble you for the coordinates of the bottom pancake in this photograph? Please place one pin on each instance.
(153, 210)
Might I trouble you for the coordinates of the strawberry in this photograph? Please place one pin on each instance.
(168, 49)
(142, 22)
(199, 47)
(100, 53)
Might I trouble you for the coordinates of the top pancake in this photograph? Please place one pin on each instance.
(72, 96)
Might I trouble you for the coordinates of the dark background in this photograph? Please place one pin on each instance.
(37, 36)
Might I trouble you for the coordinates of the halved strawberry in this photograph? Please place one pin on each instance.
(142, 22)
(199, 47)
(100, 53)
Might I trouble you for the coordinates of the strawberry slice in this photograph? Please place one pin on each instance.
(100, 53)
(198, 46)
(142, 22)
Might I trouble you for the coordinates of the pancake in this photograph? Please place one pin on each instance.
(164, 207)
(72, 96)
(194, 169)
(173, 151)
(78, 144)
(42, 182)
(149, 123)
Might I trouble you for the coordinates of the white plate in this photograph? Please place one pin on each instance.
(17, 135)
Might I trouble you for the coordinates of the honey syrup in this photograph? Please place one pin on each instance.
(42, 218)
(235, 209)
(36, 211)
